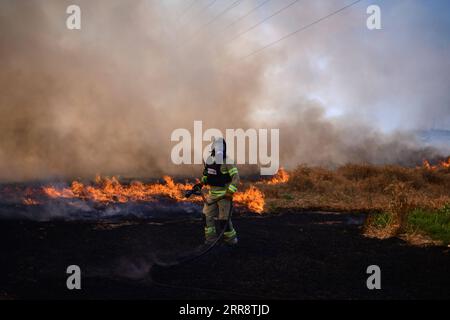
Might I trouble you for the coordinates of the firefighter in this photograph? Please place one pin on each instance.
(223, 179)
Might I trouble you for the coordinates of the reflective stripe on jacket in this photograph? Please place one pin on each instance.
(215, 191)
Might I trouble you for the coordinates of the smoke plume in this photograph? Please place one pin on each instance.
(105, 99)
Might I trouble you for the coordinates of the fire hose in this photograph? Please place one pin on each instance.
(197, 191)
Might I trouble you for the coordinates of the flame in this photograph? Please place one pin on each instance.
(253, 198)
(445, 164)
(442, 165)
(30, 202)
(426, 164)
(110, 190)
(52, 192)
(280, 177)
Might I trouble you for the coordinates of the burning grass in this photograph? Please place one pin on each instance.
(352, 187)
(110, 190)
(400, 197)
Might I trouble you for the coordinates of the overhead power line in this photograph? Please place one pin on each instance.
(234, 4)
(198, 12)
(265, 19)
(241, 17)
(197, 32)
(302, 28)
(245, 15)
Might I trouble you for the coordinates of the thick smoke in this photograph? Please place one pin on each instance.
(105, 99)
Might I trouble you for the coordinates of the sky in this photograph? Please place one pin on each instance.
(104, 99)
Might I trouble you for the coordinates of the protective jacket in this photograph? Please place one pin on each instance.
(221, 177)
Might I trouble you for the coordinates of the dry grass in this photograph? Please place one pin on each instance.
(366, 188)
(410, 203)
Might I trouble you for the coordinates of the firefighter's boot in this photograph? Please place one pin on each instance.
(230, 235)
(210, 235)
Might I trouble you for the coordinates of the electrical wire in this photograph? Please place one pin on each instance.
(302, 28)
(234, 4)
(245, 15)
(264, 20)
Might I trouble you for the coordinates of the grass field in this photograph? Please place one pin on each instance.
(433, 223)
(401, 200)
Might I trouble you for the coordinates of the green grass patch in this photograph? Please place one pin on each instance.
(436, 224)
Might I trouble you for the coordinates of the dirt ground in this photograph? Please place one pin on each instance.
(293, 255)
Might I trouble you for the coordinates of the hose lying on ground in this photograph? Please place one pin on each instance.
(207, 249)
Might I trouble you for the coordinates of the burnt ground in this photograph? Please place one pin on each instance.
(289, 256)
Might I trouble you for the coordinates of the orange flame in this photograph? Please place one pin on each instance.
(30, 202)
(280, 177)
(445, 164)
(253, 198)
(110, 190)
(442, 165)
